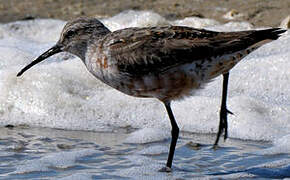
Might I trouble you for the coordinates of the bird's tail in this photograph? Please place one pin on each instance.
(254, 40)
(271, 34)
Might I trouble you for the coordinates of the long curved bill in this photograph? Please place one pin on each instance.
(55, 49)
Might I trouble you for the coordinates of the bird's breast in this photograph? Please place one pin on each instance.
(170, 85)
(174, 83)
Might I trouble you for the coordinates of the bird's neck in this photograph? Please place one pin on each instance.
(81, 48)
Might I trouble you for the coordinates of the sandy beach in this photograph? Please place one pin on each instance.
(257, 12)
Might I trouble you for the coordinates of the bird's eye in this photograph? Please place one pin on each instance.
(69, 33)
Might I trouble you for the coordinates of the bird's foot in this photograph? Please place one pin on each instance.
(223, 126)
(165, 169)
(215, 147)
(224, 120)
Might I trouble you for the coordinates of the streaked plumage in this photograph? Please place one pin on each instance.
(166, 63)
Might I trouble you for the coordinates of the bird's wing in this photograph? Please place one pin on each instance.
(140, 51)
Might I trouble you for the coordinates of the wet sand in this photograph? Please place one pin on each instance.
(258, 12)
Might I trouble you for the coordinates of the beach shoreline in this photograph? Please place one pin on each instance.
(258, 12)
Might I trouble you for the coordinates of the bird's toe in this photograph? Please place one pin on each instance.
(165, 169)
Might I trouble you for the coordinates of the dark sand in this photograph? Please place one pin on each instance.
(258, 12)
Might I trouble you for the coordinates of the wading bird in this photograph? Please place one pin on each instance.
(167, 63)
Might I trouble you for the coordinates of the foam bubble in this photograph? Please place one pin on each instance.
(132, 18)
(280, 145)
(59, 160)
(39, 30)
(62, 94)
(195, 22)
(146, 168)
(146, 135)
(232, 26)
(77, 176)
(154, 150)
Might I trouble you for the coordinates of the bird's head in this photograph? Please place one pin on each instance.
(73, 39)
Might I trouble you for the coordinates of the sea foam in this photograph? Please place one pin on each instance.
(60, 93)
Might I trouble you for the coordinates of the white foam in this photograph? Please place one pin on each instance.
(59, 160)
(145, 168)
(275, 164)
(146, 135)
(232, 26)
(62, 94)
(39, 30)
(132, 18)
(240, 175)
(195, 22)
(77, 176)
(154, 150)
(280, 145)
(275, 169)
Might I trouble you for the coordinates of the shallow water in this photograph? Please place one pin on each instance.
(33, 153)
(134, 133)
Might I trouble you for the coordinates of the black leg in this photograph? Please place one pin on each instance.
(174, 134)
(223, 126)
